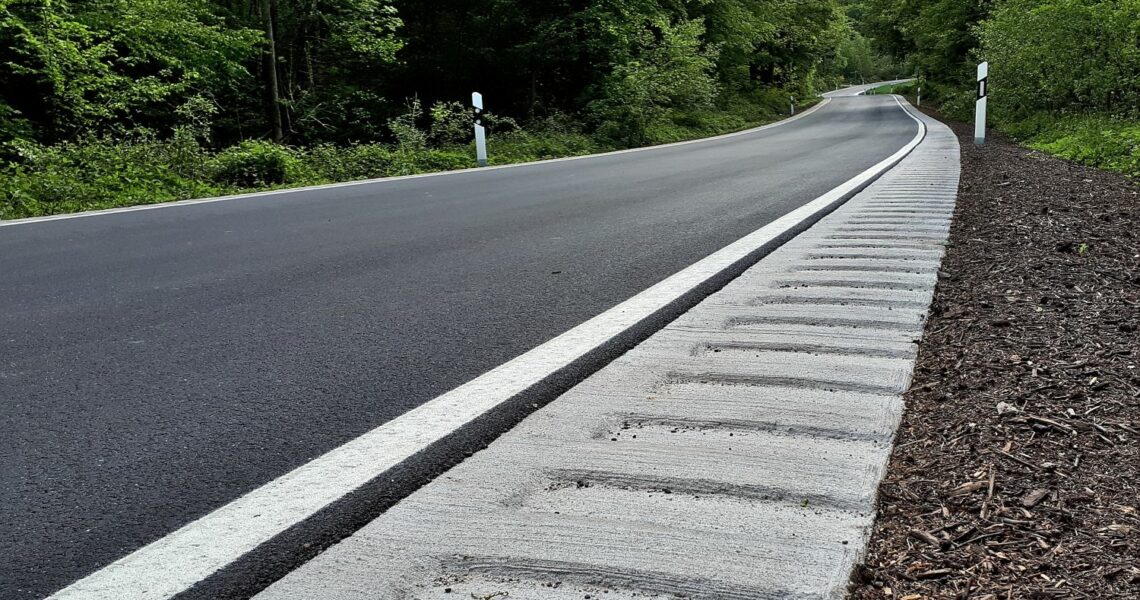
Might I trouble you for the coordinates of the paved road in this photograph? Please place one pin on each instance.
(158, 364)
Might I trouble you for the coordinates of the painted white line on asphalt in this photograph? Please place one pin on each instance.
(329, 186)
(184, 557)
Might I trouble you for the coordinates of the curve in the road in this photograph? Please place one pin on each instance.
(161, 363)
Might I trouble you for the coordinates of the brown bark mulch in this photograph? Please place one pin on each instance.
(1016, 472)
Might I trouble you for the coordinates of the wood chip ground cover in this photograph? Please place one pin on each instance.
(1016, 472)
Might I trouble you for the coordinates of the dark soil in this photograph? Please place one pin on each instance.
(1016, 472)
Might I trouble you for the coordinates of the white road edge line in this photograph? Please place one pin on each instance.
(179, 560)
(329, 186)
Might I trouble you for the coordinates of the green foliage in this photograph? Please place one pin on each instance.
(856, 60)
(313, 71)
(1064, 74)
(360, 30)
(405, 128)
(369, 161)
(1095, 140)
(101, 173)
(451, 123)
(552, 137)
(671, 69)
(935, 36)
(346, 163)
(103, 66)
(256, 163)
(114, 102)
(1063, 56)
(332, 59)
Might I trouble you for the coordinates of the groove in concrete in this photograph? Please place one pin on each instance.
(818, 321)
(805, 348)
(836, 301)
(851, 283)
(910, 269)
(890, 255)
(743, 379)
(707, 488)
(633, 422)
(550, 575)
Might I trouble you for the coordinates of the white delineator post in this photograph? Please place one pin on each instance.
(792, 104)
(480, 131)
(980, 113)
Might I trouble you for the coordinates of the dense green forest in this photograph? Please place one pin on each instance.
(115, 102)
(1064, 74)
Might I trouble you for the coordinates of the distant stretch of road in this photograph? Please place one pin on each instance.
(157, 364)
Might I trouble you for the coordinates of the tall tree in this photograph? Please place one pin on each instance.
(91, 66)
(273, 89)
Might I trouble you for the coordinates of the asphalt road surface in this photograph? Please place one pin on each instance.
(157, 364)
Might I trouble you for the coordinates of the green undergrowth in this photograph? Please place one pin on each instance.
(1109, 142)
(99, 173)
(1099, 141)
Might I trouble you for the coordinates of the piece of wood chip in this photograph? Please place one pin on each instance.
(967, 488)
(925, 536)
(1034, 497)
(933, 574)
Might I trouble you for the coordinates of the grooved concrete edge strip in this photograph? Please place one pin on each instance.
(736, 453)
(176, 562)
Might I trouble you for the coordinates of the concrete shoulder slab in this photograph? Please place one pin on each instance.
(734, 454)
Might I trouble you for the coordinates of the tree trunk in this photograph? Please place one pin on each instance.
(274, 94)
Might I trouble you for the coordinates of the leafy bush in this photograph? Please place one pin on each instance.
(1063, 55)
(762, 104)
(256, 163)
(329, 163)
(674, 70)
(430, 161)
(405, 128)
(1098, 141)
(451, 123)
(555, 136)
(347, 163)
(100, 173)
(525, 146)
(678, 125)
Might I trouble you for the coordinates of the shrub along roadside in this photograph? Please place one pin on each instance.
(1095, 140)
(107, 173)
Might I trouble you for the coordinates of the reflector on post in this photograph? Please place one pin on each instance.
(480, 131)
(980, 111)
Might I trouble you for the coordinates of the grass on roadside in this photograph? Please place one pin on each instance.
(1101, 141)
(1104, 141)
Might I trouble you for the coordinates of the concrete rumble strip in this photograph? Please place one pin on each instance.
(734, 454)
